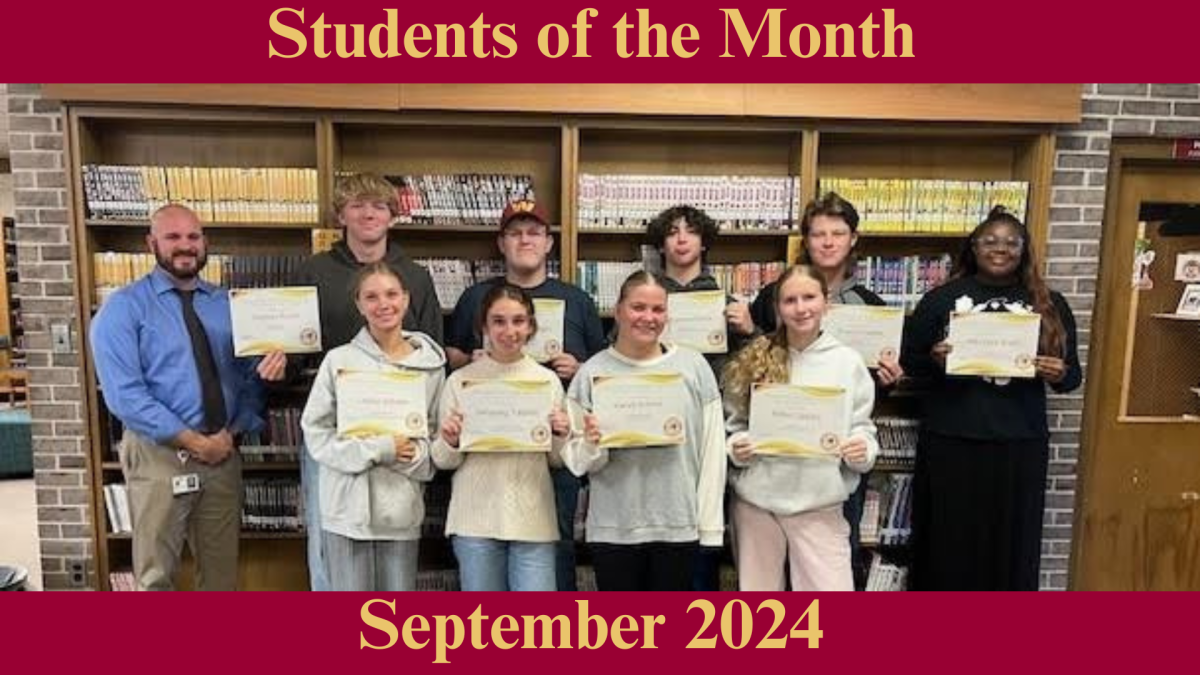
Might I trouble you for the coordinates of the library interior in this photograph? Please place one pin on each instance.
(1100, 186)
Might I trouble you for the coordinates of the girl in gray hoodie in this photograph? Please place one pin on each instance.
(651, 508)
(371, 497)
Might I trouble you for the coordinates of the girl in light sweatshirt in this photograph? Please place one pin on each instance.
(789, 509)
(651, 507)
(502, 519)
(370, 488)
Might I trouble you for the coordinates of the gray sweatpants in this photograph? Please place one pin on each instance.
(370, 565)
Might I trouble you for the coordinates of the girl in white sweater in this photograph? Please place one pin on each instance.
(371, 500)
(502, 519)
(789, 509)
(651, 507)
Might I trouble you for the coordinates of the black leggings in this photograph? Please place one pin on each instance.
(644, 567)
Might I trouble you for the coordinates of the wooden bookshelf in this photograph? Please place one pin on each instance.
(555, 147)
(12, 385)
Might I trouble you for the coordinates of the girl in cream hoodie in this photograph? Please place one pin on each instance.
(371, 494)
(789, 509)
(502, 520)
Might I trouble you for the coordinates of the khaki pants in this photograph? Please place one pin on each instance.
(815, 545)
(210, 519)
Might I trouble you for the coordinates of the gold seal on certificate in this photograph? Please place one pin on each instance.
(696, 319)
(639, 410)
(993, 344)
(547, 342)
(414, 423)
(798, 421)
(381, 403)
(275, 319)
(506, 415)
(873, 332)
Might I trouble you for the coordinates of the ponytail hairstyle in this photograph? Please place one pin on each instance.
(505, 291)
(1052, 340)
(636, 280)
(765, 360)
(367, 271)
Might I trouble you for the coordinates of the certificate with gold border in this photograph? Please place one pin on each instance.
(873, 332)
(993, 344)
(547, 343)
(381, 403)
(791, 420)
(640, 410)
(275, 319)
(506, 415)
(696, 319)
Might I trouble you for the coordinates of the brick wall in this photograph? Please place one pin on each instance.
(1076, 214)
(47, 292)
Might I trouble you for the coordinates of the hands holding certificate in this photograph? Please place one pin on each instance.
(452, 426)
(273, 366)
(853, 450)
(888, 372)
(452, 429)
(591, 429)
(738, 316)
(564, 365)
(406, 450)
(1049, 368)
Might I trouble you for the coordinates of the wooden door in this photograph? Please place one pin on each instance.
(1138, 506)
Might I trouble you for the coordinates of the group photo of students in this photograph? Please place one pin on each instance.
(660, 444)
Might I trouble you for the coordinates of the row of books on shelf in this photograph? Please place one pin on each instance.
(112, 270)
(630, 201)
(602, 280)
(470, 199)
(116, 505)
(897, 439)
(121, 580)
(926, 206)
(272, 504)
(216, 194)
(453, 276)
(281, 429)
(268, 505)
(887, 511)
(901, 281)
(885, 576)
(744, 280)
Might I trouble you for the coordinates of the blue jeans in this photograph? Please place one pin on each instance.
(495, 565)
(566, 500)
(310, 472)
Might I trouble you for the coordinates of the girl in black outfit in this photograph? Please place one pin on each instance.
(980, 476)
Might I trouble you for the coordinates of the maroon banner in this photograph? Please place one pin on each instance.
(1187, 148)
(599, 633)
(541, 41)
